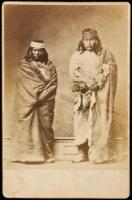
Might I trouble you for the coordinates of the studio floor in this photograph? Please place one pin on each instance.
(64, 179)
(122, 162)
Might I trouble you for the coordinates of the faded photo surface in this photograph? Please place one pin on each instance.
(66, 102)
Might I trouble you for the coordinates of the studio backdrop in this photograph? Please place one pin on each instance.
(60, 26)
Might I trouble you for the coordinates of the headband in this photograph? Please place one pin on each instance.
(37, 45)
(90, 32)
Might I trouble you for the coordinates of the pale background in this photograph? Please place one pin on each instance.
(60, 27)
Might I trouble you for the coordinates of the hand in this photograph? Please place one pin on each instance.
(82, 85)
(91, 83)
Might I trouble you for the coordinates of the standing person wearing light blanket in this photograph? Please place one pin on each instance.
(35, 101)
(93, 70)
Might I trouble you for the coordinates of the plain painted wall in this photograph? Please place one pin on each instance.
(60, 27)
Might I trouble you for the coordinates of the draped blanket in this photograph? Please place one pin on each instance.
(94, 104)
(35, 100)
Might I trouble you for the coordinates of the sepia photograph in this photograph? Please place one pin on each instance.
(66, 88)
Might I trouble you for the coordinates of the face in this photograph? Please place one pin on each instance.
(37, 53)
(89, 42)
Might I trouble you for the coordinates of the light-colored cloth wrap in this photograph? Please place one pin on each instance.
(93, 108)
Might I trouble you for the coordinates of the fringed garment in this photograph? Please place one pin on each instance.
(94, 88)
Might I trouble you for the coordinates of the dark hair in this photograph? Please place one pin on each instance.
(43, 58)
(81, 46)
